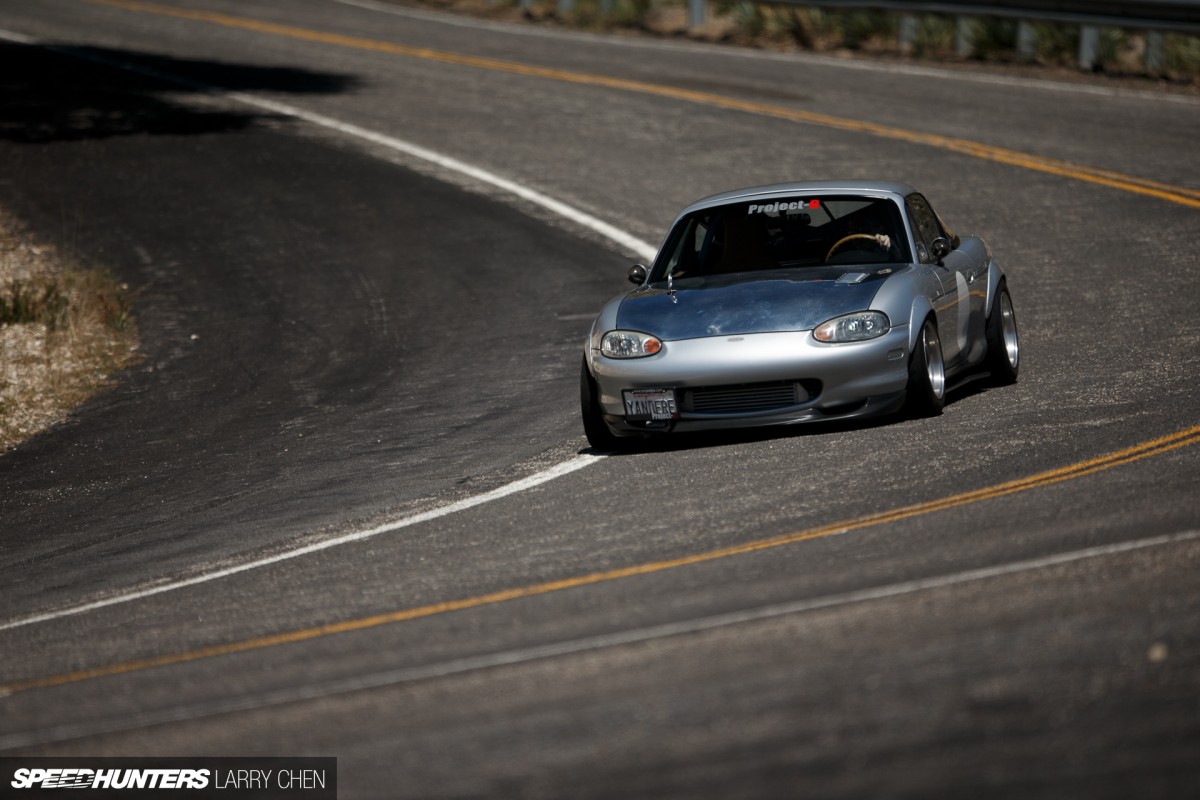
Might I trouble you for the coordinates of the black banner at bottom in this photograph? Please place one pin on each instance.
(195, 778)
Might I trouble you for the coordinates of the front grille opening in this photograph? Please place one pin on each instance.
(748, 398)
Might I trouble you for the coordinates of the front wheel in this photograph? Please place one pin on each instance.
(599, 435)
(926, 391)
(1003, 342)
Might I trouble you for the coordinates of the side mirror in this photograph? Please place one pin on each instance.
(637, 274)
(941, 248)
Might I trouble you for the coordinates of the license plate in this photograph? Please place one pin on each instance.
(642, 404)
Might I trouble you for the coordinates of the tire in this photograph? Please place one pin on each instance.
(599, 435)
(1003, 340)
(926, 390)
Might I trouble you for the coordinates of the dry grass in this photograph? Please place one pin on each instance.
(63, 332)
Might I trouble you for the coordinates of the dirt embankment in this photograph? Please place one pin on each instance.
(65, 330)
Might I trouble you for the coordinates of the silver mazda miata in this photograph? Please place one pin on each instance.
(798, 302)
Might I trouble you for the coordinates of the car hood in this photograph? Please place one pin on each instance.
(796, 300)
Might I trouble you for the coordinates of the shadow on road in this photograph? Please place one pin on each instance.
(64, 93)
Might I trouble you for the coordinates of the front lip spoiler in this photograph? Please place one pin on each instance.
(794, 415)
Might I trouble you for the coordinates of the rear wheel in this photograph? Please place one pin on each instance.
(599, 435)
(926, 391)
(1003, 341)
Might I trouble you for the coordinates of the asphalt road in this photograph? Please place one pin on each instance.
(340, 334)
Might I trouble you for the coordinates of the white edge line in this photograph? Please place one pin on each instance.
(626, 241)
(621, 238)
(557, 471)
(9, 36)
(572, 647)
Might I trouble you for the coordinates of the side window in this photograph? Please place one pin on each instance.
(949, 234)
(925, 225)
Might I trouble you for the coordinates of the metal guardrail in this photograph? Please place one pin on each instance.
(1152, 16)
(1159, 15)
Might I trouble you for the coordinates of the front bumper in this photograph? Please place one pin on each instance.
(851, 380)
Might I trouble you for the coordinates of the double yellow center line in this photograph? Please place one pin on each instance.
(1129, 455)
(1115, 180)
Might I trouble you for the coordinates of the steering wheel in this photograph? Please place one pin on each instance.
(876, 239)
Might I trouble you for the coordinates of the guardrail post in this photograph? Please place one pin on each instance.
(908, 32)
(1025, 40)
(1155, 51)
(697, 13)
(1089, 43)
(964, 37)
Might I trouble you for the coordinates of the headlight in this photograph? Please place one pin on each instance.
(629, 344)
(853, 327)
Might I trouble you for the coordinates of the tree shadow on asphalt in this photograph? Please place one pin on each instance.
(65, 93)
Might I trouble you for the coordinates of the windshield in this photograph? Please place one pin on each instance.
(784, 233)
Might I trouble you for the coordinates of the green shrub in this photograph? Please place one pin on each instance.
(994, 38)
(631, 13)
(935, 35)
(25, 302)
(1182, 54)
(860, 27)
(1057, 44)
(1113, 47)
(749, 19)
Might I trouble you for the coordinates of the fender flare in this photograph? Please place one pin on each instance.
(921, 308)
(995, 275)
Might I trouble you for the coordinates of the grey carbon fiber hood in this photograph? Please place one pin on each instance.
(793, 300)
